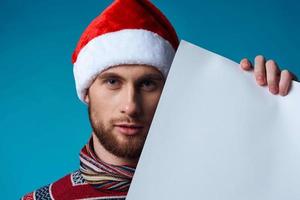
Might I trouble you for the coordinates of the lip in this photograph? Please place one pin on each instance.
(128, 129)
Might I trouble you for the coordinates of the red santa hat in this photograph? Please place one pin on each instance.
(127, 32)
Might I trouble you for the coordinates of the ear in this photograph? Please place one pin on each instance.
(87, 98)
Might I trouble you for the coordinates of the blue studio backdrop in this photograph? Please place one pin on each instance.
(42, 123)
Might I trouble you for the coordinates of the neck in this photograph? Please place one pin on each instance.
(108, 157)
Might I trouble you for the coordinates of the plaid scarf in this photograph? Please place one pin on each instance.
(101, 175)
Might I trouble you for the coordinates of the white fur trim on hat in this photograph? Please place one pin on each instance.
(128, 46)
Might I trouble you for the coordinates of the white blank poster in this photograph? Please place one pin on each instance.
(216, 135)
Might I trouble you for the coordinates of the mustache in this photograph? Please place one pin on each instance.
(126, 120)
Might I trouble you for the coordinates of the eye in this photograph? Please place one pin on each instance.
(148, 85)
(112, 83)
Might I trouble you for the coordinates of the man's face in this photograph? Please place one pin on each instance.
(122, 101)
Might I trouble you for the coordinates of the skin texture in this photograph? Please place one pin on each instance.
(122, 101)
(267, 73)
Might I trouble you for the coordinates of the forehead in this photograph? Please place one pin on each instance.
(132, 71)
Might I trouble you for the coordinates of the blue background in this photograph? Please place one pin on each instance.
(42, 123)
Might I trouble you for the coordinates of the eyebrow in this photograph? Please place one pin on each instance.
(157, 77)
(109, 75)
(151, 76)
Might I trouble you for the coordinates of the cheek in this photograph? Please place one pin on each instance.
(150, 104)
(103, 106)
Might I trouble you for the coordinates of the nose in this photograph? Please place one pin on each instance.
(131, 102)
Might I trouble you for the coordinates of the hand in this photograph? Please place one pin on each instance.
(268, 73)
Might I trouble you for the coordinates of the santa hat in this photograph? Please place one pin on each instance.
(127, 32)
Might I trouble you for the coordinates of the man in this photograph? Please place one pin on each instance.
(120, 65)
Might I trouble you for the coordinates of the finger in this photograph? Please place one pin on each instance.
(285, 82)
(273, 76)
(246, 64)
(260, 70)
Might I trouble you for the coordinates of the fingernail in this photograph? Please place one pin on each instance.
(246, 62)
(260, 79)
(273, 89)
(286, 91)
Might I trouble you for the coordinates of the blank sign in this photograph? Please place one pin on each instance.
(216, 135)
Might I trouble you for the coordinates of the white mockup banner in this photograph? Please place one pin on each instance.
(216, 135)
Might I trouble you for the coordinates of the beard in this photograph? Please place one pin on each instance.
(128, 147)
